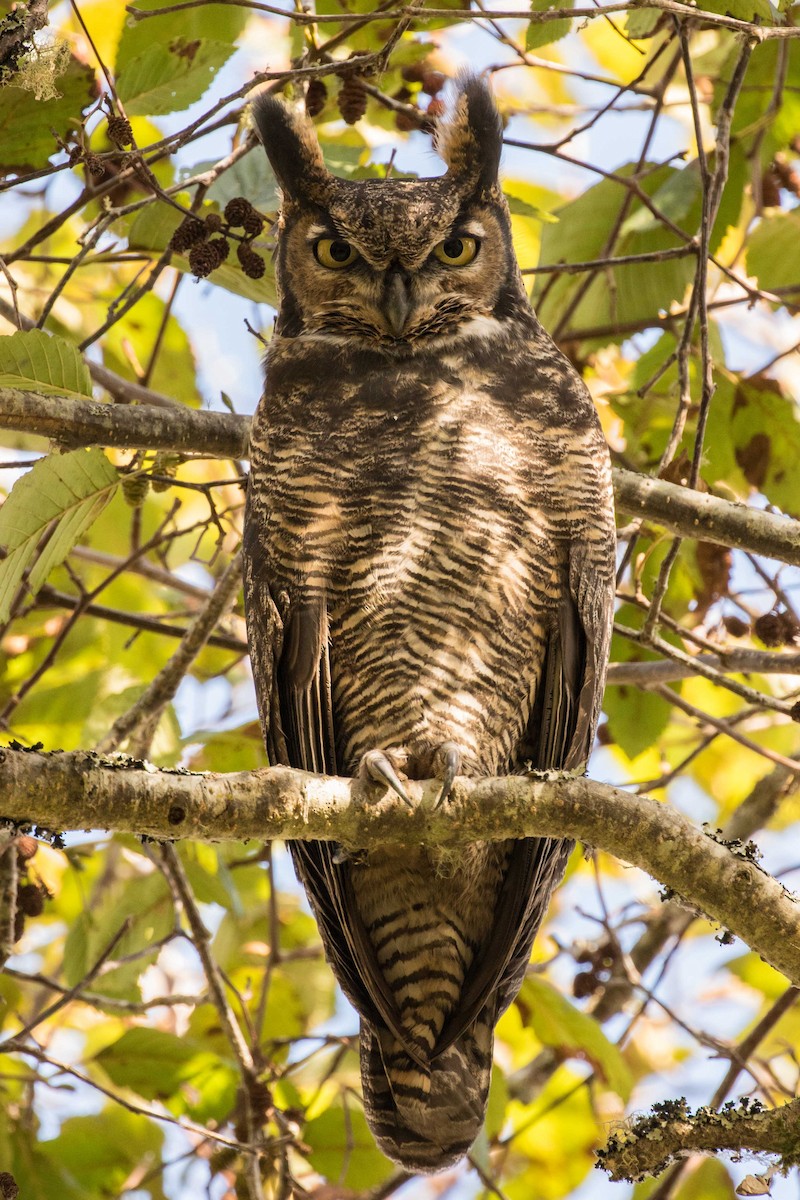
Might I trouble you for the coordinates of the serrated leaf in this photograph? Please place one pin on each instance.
(219, 22)
(544, 33)
(557, 1022)
(27, 124)
(168, 78)
(41, 363)
(66, 491)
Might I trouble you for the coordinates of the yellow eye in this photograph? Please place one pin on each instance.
(457, 251)
(334, 253)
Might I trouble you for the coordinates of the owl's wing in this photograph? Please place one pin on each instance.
(291, 669)
(559, 736)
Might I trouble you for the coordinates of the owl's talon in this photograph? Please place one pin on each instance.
(447, 763)
(379, 768)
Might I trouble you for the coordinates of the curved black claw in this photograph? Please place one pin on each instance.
(447, 763)
(379, 767)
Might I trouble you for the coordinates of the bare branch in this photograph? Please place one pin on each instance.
(732, 662)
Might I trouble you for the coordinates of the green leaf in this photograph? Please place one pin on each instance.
(558, 1023)
(760, 11)
(521, 208)
(760, 127)
(343, 1149)
(216, 22)
(240, 749)
(147, 325)
(641, 22)
(101, 1150)
(757, 974)
(753, 441)
(168, 78)
(37, 362)
(773, 251)
(631, 292)
(674, 199)
(177, 1070)
(636, 717)
(544, 33)
(710, 1181)
(65, 491)
(149, 1061)
(145, 902)
(27, 124)
(251, 176)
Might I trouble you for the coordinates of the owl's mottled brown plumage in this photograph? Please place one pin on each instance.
(429, 582)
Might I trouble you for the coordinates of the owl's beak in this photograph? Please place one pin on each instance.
(396, 303)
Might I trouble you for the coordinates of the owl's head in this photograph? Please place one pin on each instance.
(390, 261)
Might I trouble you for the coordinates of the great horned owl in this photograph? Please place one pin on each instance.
(429, 570)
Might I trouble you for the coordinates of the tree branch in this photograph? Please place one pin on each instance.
(225, 435)
(649, 1144)
(727, 662)
(135, 427)
(124, 794)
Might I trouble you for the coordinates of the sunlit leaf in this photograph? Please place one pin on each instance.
(169, 78)
(543, 33)
(221, 22)
(37, 362)
(101, 1150)
(557, 1022)
(65, 492)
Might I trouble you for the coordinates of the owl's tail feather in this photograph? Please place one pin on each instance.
(426, 1119)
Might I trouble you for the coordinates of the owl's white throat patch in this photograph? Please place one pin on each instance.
(476, 327)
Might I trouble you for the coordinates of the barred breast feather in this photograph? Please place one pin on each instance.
(440, 569)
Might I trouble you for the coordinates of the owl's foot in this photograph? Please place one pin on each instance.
(446, 765)
(379, 767)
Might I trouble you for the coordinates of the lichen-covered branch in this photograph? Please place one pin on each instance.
(84, 422)
(81, 790)
(671, 1132)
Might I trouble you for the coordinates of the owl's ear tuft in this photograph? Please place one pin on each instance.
(471, 141)
(293, 151)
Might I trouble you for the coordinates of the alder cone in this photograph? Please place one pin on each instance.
(352, 99)
(251, 263)
(120, 131)
(239, 211)
(777, 628)
(190, 231)
(714, 563)
(735, 626)
(316, 95)
(203, 259)
(31, 900)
